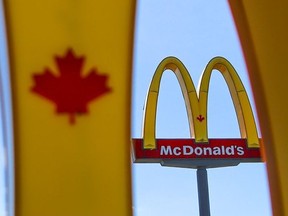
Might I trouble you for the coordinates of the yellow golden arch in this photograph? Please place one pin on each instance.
(196, 101)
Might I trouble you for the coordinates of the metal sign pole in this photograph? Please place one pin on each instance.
(203, 192)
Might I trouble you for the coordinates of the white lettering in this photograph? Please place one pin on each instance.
(223, 150)
(201, 151)
(230, 150)
(198, 151)
(240, 151)
(166, 150)
(207, 150)
(216, 151)
(177, 151)
(187, 150)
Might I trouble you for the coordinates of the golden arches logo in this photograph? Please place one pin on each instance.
(196, 101)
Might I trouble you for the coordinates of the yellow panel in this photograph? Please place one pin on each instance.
(262, 28)
(71, 161)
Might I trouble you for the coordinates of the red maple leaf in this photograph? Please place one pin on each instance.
(70, 91)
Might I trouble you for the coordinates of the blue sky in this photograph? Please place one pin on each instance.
(5, 134)
(195, 32)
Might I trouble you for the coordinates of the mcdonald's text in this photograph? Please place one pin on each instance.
(189, 149)
(199, 151)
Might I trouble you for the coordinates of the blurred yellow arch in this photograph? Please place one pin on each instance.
(263, 35)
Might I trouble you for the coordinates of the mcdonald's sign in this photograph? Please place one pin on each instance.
(198, 150)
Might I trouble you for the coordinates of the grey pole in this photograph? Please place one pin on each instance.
(203, 192)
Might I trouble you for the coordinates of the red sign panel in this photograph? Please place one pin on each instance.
(188, 149)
